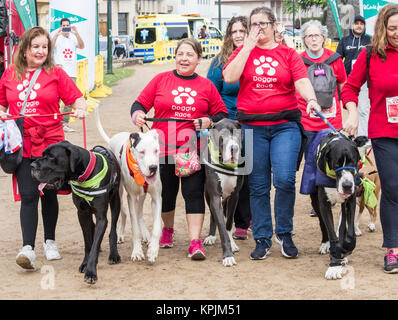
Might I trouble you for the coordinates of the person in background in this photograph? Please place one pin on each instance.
(269, 75)
(383, 120)
(203, 34)
(65, 41)
(313, 35)
(235, 34)
(120, 50)
(53, 84)
(349, 48)
(168, 93)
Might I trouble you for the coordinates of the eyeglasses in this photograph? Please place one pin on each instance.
(313, 36)
(262, 25)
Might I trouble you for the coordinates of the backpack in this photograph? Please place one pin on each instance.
(323, 80)
(368, 55)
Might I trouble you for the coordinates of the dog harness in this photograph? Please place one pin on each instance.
(134, 168)
(88, 189)
(217, 165)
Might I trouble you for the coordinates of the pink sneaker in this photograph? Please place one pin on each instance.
(195, 251)
(240, 234)
(166, 240)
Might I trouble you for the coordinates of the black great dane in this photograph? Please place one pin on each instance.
(337, 158)
(95, 178)
(223, 183)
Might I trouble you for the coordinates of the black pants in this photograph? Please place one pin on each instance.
(28, 189)
(386, 155)
(243, 214)
(192, 189)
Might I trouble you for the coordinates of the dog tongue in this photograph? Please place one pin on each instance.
(41, 186)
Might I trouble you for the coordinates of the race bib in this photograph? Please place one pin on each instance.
(327, 113)
(392, 109)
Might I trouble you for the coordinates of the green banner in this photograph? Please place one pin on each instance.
(27, 12)
(372, 7)
(335, 12)
(57, 15)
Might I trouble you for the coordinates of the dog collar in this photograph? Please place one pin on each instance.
(134, 169)
(89, 169)
(93, 183)
(216, 155)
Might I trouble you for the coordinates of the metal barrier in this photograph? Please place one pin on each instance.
(164, 51)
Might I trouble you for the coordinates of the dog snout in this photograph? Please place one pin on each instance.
(34, 165)
(153, 169)
(234, 149)
(347, 186)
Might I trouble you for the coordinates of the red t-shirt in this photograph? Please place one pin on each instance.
(312, 122)
(267, 81)
(383, 91)
(172, 96)
(43, 99)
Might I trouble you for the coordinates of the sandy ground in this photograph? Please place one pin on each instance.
(174, 276)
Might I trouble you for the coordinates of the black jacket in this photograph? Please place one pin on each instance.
(349, 48)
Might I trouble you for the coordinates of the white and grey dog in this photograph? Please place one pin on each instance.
(138, 156)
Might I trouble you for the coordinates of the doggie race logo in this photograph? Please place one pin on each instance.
(68, 54)
(184, 100)
(30, 105)
(265, 69)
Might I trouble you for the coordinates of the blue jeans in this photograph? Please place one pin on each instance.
(275, 147)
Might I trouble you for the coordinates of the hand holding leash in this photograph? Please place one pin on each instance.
(79, 107)
(138, 118)
(202, 123)
(313, 106)
(351, 124)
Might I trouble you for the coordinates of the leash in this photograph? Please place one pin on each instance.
(320, 115)
(55, 115)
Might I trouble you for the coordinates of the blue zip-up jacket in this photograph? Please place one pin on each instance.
(350, 46)
(228, 92)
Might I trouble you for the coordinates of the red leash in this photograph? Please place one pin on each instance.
(55, 115)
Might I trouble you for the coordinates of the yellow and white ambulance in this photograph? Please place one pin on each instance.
(150, 29)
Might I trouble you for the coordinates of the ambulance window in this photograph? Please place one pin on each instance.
(215, 34)
(177, 33)
(145, 35)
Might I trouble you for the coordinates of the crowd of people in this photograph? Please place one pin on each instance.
(257, 73)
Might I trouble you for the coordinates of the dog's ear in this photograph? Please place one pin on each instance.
(73, 154)
(134, 139)
(360, 141)
(238, 125)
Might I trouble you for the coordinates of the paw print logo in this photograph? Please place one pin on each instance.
(67, 53)
(23, 87)
(265, 63)
(188, 93)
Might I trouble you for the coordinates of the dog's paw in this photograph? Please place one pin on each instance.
(114, 259)
(120, 238)
(210, 240)
(358, 232)
(228, 261)
(324, 248)
(90, 277)
(137, 255)
(371, 227)
(234, 246)
(83, 267)
(334, 273)
(152, 252)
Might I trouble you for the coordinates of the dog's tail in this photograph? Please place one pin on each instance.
(99, 126)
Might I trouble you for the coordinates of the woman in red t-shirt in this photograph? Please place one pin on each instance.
(269, 75)
(52, 84)
(383, 119)
(181, 94)
(314, 34)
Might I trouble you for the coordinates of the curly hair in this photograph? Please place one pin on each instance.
(228, 46)
(21, 64)
(379, 40)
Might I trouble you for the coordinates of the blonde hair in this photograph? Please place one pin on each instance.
(21, 63)
(379, 40)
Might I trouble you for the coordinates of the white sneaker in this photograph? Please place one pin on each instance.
(51, 250)
(26, 258)
(68, 129)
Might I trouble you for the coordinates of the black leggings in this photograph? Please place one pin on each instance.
(192, 189)
(28, 189)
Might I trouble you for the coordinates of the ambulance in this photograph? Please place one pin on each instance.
(168, 27)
